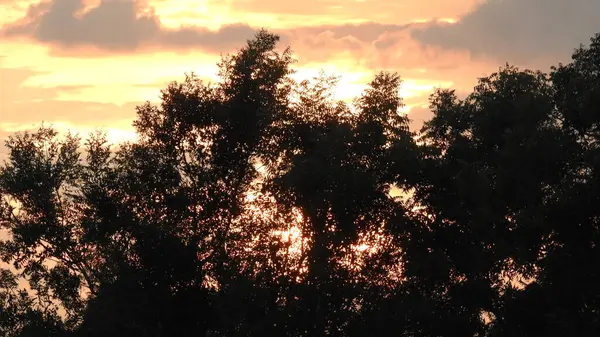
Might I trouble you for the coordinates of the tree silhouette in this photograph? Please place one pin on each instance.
(259, 206)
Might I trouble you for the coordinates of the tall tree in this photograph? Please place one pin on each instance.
(258, 206)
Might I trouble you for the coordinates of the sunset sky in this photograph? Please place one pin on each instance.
(83, 64)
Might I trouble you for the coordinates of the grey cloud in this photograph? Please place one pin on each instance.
(116, 25)
(227, 36)
(519, 30)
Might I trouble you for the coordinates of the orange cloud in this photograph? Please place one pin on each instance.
(375, 47)
(318, 12)
(87, 63)
(23, 107)
(117, 26)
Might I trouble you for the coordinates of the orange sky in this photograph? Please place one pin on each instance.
(82, 64)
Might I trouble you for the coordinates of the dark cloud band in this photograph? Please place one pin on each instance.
(116, 25)
(519, 30)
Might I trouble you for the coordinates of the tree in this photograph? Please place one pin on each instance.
(507, 168)
(565, 296)
(189, 231)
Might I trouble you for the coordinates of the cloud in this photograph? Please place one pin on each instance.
(121, 26)
(362, 32)
(320, 11)
(117, 26)
(25, 108)
(23, 105)
(519, 30)
(385, 47)
(323, 43)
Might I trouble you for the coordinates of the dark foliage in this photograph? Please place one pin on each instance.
(258, 206)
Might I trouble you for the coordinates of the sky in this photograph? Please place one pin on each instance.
(85, 64)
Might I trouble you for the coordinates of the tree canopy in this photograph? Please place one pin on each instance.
(260, 206)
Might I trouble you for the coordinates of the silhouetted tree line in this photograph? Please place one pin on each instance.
(258, 206)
